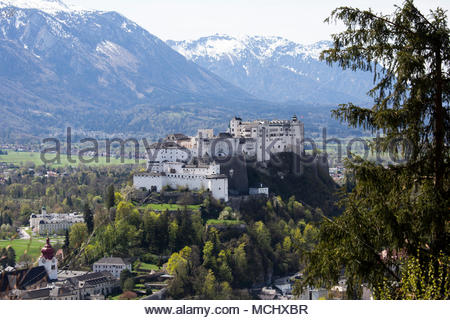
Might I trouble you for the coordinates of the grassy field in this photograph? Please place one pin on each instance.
(145, 266)
(170, 207)
(224, 222)
(22, 158)
(21, 246)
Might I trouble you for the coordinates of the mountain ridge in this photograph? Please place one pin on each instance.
(48, 6)
(276, 69)
(102, 74)
(97, 69)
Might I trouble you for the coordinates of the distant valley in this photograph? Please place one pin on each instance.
(103, 75)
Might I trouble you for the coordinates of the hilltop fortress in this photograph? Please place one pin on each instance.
(198, 162)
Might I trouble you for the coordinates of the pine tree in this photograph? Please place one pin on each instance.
(124, 276)
(88, 218)
(69, 202)
(66, 240)
(393, 212)
(110, 197)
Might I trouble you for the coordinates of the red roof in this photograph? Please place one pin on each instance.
(47, 251)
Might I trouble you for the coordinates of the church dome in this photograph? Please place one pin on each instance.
(47, 251)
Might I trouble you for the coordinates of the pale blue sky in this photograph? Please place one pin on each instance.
(297, 20)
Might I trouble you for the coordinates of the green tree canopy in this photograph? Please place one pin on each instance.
(125, 275)
(393, 212)
(78, 234)
(128, 285)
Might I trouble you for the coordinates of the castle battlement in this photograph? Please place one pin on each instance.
(258, 139)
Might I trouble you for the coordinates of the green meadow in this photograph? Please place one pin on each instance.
(20, 246)
(31, 246)
(170, 207)
(224, 222)
(145, 266)
(22, 158)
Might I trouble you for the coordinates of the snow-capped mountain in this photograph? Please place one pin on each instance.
(48, 6)
(276, 69)
(97, 71)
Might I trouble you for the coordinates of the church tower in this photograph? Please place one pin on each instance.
(49, 261)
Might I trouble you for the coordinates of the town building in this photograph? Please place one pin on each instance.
(259, 190)
(66, 274)
(113, 265)
(44, 282)
(90, 286)
(53, 223)
(14, 282)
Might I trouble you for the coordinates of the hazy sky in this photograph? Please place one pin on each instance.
(297, 20)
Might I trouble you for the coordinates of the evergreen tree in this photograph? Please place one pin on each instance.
(88, 217)
(66, 239)
(69, 202)
(124, 276)
(11, 257)
(110, 198)
(393, 212)
(7, 219)
(128, 284)
(3, 258)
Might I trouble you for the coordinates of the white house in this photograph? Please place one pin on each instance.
(51, 223)
(112, 265)
(259, 190)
